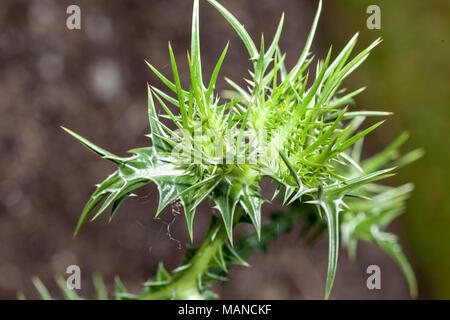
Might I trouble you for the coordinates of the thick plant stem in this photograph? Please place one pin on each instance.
(185, 283)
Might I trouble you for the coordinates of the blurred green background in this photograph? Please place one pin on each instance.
(409, 74)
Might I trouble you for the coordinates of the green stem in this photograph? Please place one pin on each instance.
(185, 283)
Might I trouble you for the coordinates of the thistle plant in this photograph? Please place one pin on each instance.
(294, 127)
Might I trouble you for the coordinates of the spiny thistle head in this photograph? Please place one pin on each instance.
(289, 125)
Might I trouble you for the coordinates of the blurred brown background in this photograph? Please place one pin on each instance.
(94, 82)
